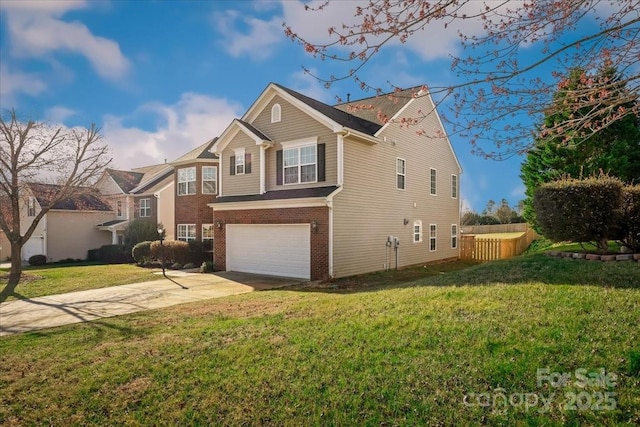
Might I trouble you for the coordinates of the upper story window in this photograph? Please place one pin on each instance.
(240, 162)
(209, 179)
(300, 164)
(145, 208)
(276, 113)
(454, 236)
(433, 182)
(186, 181)
(454, 186)
(401, 174)
(417, 231)
(433, 234)
(119, 208)
(187, 232)
(31, 206)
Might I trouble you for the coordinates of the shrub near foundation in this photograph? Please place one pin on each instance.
(174, 251)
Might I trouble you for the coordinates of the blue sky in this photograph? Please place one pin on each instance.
(163, 77)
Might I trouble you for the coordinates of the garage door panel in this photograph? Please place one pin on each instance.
(274, 249)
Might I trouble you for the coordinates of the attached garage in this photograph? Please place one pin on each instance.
(273, 249)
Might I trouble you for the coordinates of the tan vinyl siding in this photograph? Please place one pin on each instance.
(249, 183)
(70, 234)
(370, 208)
(295, 125)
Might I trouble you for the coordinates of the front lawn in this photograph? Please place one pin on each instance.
(486, 345)
(54, 279)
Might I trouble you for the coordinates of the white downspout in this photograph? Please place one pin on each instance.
(330, 206)
(340, 157)
(262, 169)
(44, 236)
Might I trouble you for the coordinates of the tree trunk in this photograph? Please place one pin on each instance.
(15, 273)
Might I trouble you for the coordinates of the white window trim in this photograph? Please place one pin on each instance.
(119, 211)
(239, 153)
(454, 235)
(187, 181)
(204, 227)
(31, 207)
(454, 188)
(146, 208)
(433, 181)
(403, 174)
(418, 224)
(299, 142)
(434, 237)
(276, 113)
(215, 180)
(185, 228)
(300, 165)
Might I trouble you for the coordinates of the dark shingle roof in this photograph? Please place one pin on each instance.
(387, 104)
(153, 180)
(297, 193)
(89, 200)
(345, 119)
(126, 180)
(254, 130)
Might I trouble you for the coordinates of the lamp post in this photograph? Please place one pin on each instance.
(161, 234)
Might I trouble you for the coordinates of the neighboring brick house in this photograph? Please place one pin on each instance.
(313, 191)
(196, 185)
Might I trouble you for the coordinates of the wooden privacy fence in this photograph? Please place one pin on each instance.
(488, 249)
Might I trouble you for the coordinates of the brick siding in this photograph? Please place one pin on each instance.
(319, 239)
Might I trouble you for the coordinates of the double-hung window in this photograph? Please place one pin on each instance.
(454, 186)
(207, 236)
(209, 179)
(401, 174)
(145, 208)
(417, 231)
(187, 232)
(454, 236)
(186, 181)
(119, 208)
(433, 182)
(240, 162)
(300, 164)
(31, 206)
(432, 237)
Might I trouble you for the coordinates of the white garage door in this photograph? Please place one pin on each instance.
(274, 249)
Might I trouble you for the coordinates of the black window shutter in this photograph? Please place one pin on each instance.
(232, 163)
(247, 163)
(321, 162)
(279, 167)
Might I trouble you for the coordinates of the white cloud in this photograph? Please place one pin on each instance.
(258, 41)
(311, 87)
(59, 114)
(518, 192)
(12, 82)
(182, 126)
(36, 29)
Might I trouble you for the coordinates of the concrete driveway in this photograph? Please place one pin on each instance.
(62, 309)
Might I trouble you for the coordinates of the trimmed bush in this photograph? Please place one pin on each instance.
(629, 217)
(139, 230)
(141, 252)
(36, 260)
(197, 253)
(93, 255)
(175, 251)
(579, 210)
(114, 254)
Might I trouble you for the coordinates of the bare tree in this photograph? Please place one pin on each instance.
(502, 81)
(35, 152)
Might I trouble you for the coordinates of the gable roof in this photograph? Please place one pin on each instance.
(88, 201)
(388, 104)
(153, 178)
(201, 152)
(339, 116)
(126, 180)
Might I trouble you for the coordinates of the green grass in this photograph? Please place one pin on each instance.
(59, 278)
(382, 349)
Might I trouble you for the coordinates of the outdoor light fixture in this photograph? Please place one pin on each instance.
(314, 226)
(406, 221)
(161, 234)
(219, 224)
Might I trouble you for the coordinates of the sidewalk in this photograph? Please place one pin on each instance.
(63, 309)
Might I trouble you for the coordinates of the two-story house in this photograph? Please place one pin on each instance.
(196, 185)
(143, 193)
(68, 229)
(315, 191)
